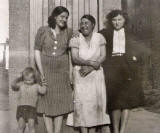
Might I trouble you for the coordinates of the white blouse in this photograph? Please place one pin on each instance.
(119, 41)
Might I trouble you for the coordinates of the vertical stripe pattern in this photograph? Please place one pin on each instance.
(58, 99)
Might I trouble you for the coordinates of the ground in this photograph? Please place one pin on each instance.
(142, 120)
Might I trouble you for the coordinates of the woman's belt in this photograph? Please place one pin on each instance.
(55, 54)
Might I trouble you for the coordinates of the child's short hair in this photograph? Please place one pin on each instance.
(27, 71)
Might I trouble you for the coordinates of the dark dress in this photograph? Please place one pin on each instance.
(123, 81)
(55, 62)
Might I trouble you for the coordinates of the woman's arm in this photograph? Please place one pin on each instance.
(42, 89)
(70, 68)
(79, 61)
(87, 69)
(76, 59)
(102, 56)
(37, 54)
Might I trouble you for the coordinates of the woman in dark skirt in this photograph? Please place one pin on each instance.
(121, 70)
(52, 60)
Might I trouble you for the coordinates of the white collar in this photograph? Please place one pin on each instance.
(119, 31)
(54, 32)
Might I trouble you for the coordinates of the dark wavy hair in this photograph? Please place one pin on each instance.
(115, 13)
(57, 11)
(90, 18)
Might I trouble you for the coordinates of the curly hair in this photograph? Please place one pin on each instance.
(115, 13)
(57, 11)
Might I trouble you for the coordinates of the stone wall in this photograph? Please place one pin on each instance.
(140, 23)
(155, 15)
(145, 23)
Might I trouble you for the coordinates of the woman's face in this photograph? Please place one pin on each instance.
(61, 20)
(86, 27)
(118, 22)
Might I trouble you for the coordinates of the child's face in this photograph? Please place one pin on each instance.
(29, 79)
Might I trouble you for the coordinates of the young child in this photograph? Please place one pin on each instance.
(29, 90)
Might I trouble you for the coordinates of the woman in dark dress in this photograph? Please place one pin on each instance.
(52, 60)
(121, 70)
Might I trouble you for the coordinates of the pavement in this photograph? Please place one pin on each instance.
(143, 121)
(140, 120)
(4, 122)
(4, 113)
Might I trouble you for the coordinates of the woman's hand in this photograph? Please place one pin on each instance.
(85, 70)
(95, 64)
(43, 80)
(75, 34)
(44, 83)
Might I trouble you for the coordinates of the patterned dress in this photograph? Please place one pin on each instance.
(89, 91)
(55, 62)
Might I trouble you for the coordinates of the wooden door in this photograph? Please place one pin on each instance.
(41, 9)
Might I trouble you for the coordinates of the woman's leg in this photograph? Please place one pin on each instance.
(31, 125)
(48, 123)
(124, 120)
(58, 123)
(92, 130)
(116, 116)
(21, 125)
(84, 130)
(105, 129)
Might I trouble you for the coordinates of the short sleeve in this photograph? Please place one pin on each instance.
(70, 32)
(38, 39)
(102, 40)
(74, 43)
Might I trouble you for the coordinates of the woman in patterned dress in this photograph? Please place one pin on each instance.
(88, 52)
(52, 60)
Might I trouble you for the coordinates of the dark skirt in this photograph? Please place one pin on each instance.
(123, 83)
(58, 99)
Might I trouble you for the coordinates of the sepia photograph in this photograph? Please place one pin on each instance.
(80, 66)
